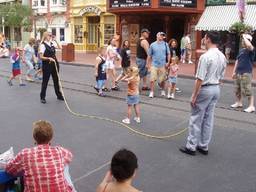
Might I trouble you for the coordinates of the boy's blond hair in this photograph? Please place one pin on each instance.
(42, 132)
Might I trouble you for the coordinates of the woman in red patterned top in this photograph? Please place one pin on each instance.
(43, 165)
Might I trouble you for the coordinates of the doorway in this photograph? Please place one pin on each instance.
(93, 39)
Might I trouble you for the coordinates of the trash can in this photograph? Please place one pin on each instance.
(68, 52)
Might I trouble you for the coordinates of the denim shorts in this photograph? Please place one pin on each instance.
(143, 71)
(172, 80)
(100, 84)
(133, 99)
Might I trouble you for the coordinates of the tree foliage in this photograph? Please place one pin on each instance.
(16, 15)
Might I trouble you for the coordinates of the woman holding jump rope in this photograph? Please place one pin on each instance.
(47, 53)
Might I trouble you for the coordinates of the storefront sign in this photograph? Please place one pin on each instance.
(223, 2)
(90, 9)
(129, 3)
(179, 3)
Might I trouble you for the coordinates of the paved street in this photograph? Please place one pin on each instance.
(229, 167)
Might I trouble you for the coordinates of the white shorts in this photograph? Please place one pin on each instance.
(110, 64)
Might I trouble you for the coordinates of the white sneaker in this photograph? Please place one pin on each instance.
(250, 109)
(151, 94)
(168, 96)
(172, 96)
(236, 105)
(177, 90)
(126, 121)
(190, 62)
(163, 93)
(137, 119)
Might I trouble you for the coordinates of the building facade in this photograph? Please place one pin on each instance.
(175, 18)
(53, 16)
(91, 25)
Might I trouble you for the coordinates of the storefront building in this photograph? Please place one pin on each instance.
(91, 26)
(53, 16)
(220, 15)
(174, 17)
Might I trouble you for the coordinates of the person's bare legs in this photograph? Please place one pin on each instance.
(251, 101)
(152, 84)
(144, 81)
(137, 110)
(129, 111)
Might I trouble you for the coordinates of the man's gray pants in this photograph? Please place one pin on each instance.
(202, 117)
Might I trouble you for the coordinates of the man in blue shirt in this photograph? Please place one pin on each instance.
(159, 56)
(242, 74)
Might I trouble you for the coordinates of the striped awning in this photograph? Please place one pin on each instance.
(220, 18)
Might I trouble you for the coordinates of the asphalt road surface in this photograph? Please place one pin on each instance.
(229, 167)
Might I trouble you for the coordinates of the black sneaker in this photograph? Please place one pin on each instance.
(96, 88)
(43, 101)
(187, 151)
(10, 83)
(202, 151)
(61, 98)
(115, 88)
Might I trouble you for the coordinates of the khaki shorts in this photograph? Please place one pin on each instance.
(157, 73)
(243, 85)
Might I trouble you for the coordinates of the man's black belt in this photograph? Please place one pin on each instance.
(208, 84)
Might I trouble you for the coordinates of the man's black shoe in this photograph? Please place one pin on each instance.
(43, 101)
(187, 151)
(202, 151)
(60, 98)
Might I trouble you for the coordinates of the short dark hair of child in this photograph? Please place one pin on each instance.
(42, 132)
(123, 165)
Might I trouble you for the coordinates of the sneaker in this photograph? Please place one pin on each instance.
(151, 94)
(126, 121)
(29, 79)
(236, 105)
(172, 96)
(101, 95)
(43, 101)
(22, 84)
(250, 109)
(10, 83)
(168, 96)
(163, 93)
(183, 61)
(177, 90)
(115, 88)
(190, 62)
(137, 119)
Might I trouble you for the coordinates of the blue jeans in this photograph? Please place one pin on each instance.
(202, 117)
(100, 84)
(143, 71)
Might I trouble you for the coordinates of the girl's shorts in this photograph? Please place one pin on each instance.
(133, 99)
(16, 72)
(172, 80)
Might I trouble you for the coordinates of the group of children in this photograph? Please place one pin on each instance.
(29, 57)
(130, 74)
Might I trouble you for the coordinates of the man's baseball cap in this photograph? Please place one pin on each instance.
(161, 33)
(144, 30)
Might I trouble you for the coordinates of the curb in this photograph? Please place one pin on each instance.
(229, 81)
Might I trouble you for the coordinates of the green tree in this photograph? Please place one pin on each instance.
(16, 15)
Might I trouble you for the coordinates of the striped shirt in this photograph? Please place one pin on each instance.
(42, 167)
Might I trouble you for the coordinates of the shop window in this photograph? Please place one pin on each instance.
(54, 2)
(54, 32)
(78, 33)
(62, 34)
(109, 28)
(109, 32)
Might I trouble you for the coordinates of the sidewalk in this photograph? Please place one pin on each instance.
(186, 70)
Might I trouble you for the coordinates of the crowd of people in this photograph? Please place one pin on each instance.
(162, 60)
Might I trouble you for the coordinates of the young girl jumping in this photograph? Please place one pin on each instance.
(133, 98)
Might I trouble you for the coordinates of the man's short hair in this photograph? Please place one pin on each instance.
(42, 132)
(123, 165)
(214, 36)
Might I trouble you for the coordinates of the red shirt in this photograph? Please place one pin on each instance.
(42, 167)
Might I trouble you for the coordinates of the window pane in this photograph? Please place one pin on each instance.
(62, 34)
(54, 32)
(78, 33)
(54, 2)
(109, 30)
(42, 3)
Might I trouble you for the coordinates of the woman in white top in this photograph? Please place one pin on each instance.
(47, 53)
(112, 55)
(122, 172)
